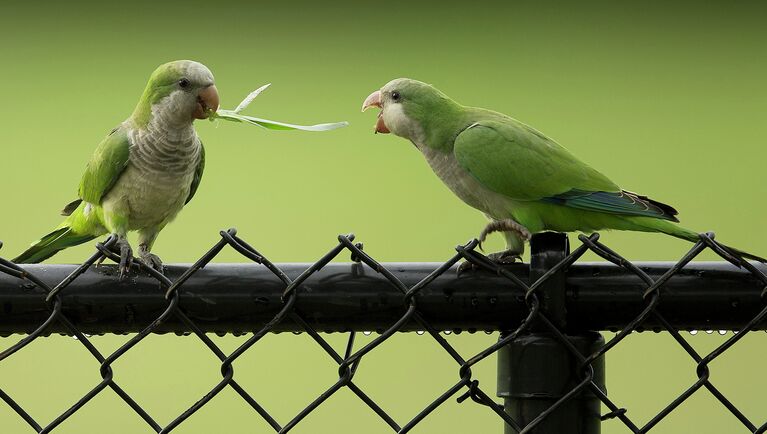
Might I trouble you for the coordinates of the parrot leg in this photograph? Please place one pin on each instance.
(146, 240)
(516, 235)
(507, 225)
(117, 223)
(126, 257)
(122, 248)
(150, 259)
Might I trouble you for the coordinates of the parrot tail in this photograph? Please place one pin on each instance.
(51, 244)
(674, 230)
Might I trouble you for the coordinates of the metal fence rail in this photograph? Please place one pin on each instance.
(548, 311)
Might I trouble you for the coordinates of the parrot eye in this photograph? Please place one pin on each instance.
(184, 83)
(395, 96)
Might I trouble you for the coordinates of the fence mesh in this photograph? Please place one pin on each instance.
(465, 388)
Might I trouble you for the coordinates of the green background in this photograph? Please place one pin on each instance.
(667, 100)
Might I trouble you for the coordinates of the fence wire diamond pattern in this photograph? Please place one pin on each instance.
(465, 389)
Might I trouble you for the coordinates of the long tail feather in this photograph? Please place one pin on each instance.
(740, 254)
(51, 244)
(686, 234)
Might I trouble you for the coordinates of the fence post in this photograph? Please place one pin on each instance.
(535, 370)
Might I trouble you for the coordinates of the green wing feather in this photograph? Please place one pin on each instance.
(510, 158)
(105, 167)
(197, 175)
(515, 160)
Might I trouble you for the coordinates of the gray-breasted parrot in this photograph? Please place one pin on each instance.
(523, 181)
(144, 172)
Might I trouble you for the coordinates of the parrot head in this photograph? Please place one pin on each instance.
(178, 92)
(406, 105)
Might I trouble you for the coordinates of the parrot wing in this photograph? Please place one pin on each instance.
(513, 159)
(105, 167)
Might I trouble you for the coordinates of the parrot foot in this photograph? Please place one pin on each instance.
(464, 267)
(151, 260)
(507, 225)
(505, 257)
(126, 257)
(502, 258)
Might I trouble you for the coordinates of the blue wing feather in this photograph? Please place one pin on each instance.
(623, 202)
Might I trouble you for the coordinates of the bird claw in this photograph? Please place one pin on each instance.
(466, 266)
(153, 261)
(126, 258)
(504, 257)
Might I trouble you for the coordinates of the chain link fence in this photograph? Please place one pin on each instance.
(550, 354)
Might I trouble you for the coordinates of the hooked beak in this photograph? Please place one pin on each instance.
(374, 100)
(207, 102)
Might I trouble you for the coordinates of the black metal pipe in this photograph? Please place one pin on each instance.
(226, 298)
(536, 370)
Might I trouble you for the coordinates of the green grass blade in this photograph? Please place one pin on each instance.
(249, 99)
(231, 115)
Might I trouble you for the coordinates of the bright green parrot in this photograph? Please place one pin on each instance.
(143, 172)
(523, 181)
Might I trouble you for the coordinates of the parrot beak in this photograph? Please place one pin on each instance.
(207, 102)
(374, 100)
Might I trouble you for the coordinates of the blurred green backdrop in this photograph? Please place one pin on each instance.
(666, 99)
